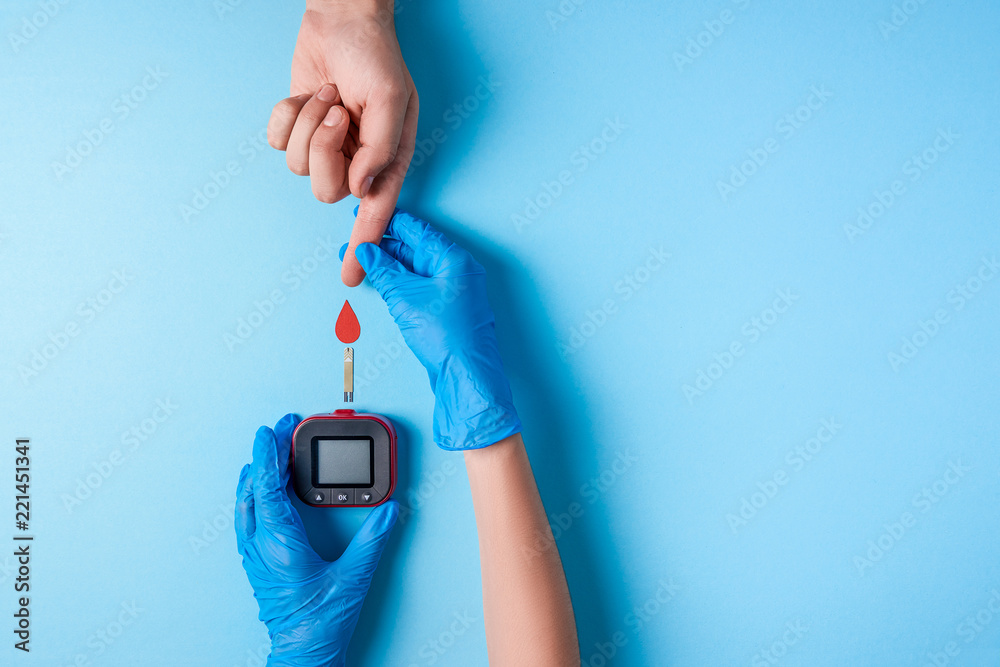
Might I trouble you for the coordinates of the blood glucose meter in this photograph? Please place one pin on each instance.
(344, 459)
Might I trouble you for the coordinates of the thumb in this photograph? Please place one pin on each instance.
(363, 553)
(269, 472)
(243, 517)
(383, 270)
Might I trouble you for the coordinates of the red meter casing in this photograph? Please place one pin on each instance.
(344, 459)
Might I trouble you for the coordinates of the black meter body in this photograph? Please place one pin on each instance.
(344, 459)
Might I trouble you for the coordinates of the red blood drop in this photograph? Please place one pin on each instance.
(348, 328)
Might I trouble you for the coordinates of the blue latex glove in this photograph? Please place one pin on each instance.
(310, 606)
(436, 293)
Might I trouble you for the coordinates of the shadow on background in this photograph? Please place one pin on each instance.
(378, 610)
(557, 430)
(446, 71)
(331, 530)
(559, 438)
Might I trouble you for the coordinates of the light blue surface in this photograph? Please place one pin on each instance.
(613, 410)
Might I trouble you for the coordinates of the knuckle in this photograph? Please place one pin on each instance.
(322, 144)
(369, 220)
(393, 93)
(396, 169)
(324, 193)
(297, 167)
(382, 155)
(407, 145)
(285, 110)
(471, 264)
(314, 111)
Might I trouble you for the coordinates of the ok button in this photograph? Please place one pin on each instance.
(343, 496)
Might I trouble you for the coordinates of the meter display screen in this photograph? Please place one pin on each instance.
(344, 458)
(343, 461)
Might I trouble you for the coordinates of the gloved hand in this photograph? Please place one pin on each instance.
(436, 292)
(310, 606)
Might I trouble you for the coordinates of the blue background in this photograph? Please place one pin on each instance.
(655, 552)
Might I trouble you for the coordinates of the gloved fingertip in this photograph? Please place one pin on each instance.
(385, 520)
(343, 251)
(289, 417)
(264, 433)
(365, 254)
(263, 441)
(244, 471)
(243, 511)
(390, 511)
(287, 423)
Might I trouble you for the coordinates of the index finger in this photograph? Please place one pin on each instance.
(380, 132)
(279, 125)
(377, 207)
(269, 469)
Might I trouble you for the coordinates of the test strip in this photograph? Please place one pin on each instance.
(348, 374)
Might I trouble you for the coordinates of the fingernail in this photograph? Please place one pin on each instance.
(326, 93)
(333, 117)
(367, 185)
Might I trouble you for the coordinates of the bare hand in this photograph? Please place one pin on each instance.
(353, 46)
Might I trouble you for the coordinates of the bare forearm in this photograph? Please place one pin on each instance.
(356, 5)
(353, 7)
(527, 608)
